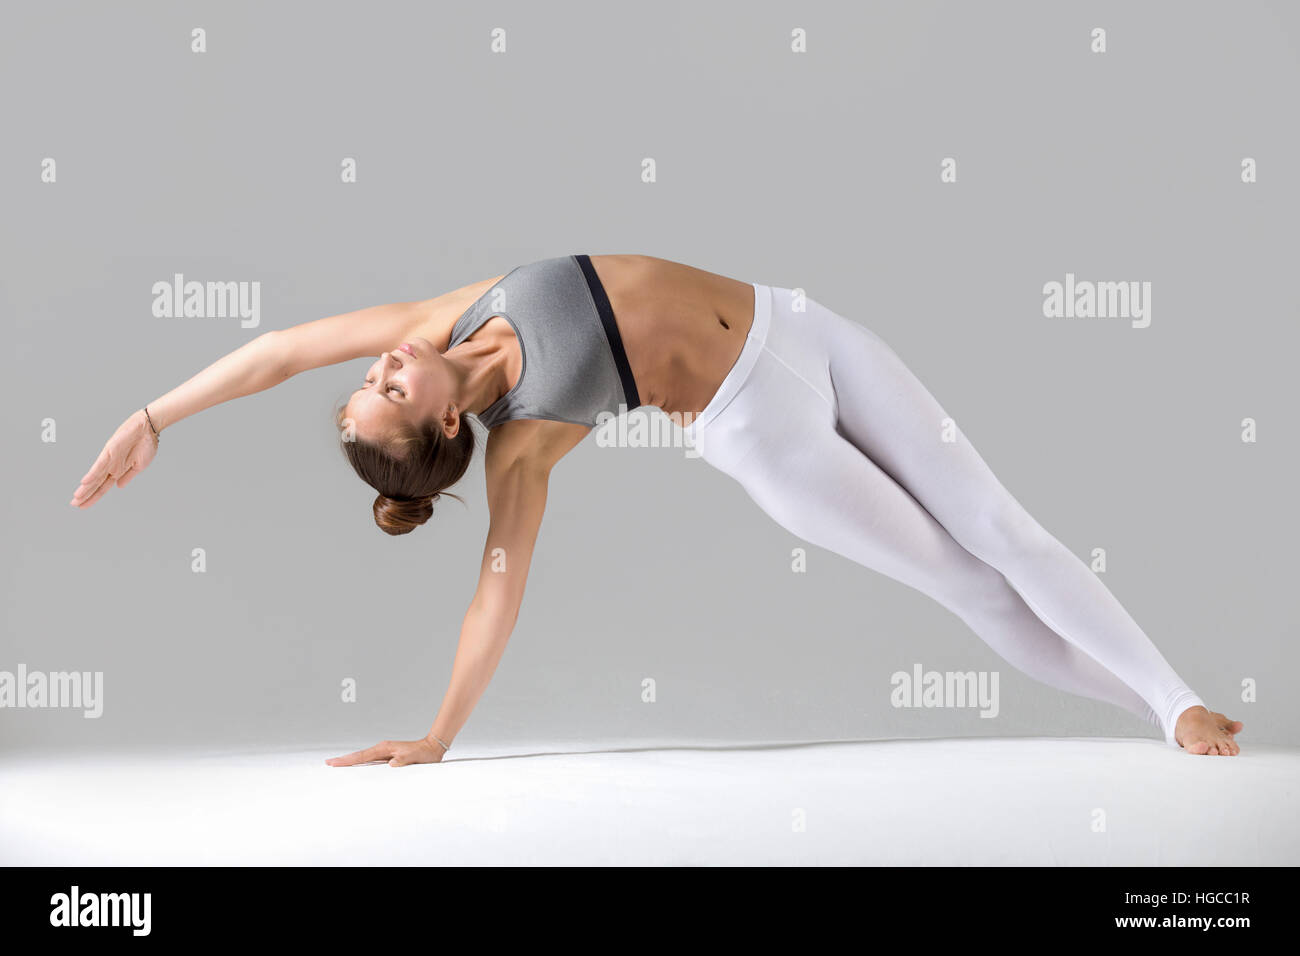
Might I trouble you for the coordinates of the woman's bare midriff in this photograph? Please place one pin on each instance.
(682, 328)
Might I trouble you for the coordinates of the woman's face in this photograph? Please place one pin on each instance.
(411, 384)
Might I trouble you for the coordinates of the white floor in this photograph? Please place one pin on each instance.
(973, 801)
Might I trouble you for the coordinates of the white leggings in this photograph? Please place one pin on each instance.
(831, 435)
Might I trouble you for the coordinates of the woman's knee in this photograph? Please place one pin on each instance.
(1002, 533)
(972, 589)
(791, 507)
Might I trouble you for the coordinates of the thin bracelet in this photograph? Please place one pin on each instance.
(445, 747)
(156, 436)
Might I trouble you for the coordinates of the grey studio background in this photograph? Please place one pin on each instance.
(818, 170)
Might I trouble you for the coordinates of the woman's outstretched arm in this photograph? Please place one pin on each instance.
(267, 360)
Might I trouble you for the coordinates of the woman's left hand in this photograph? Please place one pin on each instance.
(398, 753)
(126, 454)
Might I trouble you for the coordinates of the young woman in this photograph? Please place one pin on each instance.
(815, 416)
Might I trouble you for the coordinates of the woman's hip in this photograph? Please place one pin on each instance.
(779, 388)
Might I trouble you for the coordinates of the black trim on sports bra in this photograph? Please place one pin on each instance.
(611, 331)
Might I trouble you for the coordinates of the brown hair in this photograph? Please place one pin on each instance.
(410, 469)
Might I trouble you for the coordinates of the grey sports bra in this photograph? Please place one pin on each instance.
(573, 366)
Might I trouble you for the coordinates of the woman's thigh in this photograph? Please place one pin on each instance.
(778, 440)
(885, 411)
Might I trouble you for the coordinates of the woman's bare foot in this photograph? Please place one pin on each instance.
(1200, 731)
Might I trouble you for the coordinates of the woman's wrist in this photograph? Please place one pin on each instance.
(151, 422)
(159, 414)
(439, 742)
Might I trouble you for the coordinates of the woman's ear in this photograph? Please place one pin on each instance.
(451, 421)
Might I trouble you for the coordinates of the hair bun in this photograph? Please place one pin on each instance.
(402, 515)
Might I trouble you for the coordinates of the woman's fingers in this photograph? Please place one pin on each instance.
(100, 463)
(380, 751)
(108, 467)
(99, 492)
(113, 467)
(93, 478)
(398, 753)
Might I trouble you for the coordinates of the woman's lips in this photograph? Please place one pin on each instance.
(405, 347)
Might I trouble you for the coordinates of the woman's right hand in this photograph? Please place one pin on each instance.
(125, 455)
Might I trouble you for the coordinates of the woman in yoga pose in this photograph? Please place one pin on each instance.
(815, 416)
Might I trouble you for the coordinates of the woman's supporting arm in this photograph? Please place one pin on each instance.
(517, 504)
(517, 488)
